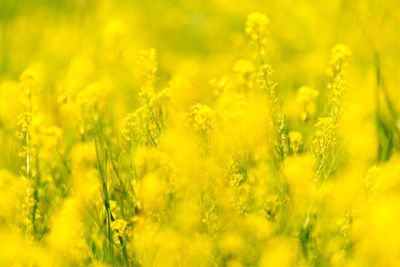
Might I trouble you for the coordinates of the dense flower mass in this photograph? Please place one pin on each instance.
(199, 133)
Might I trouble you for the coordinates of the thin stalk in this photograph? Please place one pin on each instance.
(103, 179)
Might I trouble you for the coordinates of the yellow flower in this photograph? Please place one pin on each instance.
(257, 28)
(130, 127)
(324, 135)
(340, 55)
(306, 98)
(23, 124)
(202, 117)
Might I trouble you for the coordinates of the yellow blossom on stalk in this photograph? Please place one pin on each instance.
(130, 127)
(236, 179)
(306, 99)
(119, 227)
(159, 103)
(324, 138)
(202, 117)
(337, 84)
(23, 124)
(141, 126)
(340, 55)
(257, 28)
(323, 145)
(268, 85)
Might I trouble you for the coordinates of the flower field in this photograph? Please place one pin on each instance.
(199, 133)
